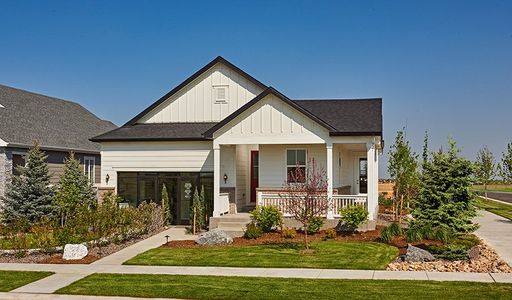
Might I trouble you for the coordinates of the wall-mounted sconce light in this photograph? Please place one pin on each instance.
(225, 177)
(107, 178)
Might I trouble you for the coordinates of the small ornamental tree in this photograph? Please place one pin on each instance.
(506, 165)
(29, 196)
(197, 217)
(445, 199)
(166, 208)
(305, 195)
(74, 190)
(486, 168)
(403, 168)
(202, 203)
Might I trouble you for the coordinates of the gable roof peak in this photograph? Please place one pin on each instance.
(218, 59)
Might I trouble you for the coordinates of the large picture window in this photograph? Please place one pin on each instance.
(295, 158)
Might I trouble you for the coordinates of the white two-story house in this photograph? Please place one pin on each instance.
(225, 131)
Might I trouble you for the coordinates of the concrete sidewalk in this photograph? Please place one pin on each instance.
(497, 232)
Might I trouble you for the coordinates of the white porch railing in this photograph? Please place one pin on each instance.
(224, 203)
(342, 201)
(280, 200)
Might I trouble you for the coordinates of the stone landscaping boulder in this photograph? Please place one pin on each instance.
(417, 254)
(74, 251)
(214, 237)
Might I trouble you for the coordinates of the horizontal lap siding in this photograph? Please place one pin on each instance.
(155, 157)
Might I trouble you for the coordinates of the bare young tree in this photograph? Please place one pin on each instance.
(305, 195)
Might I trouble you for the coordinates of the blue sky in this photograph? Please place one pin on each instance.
(441, 66)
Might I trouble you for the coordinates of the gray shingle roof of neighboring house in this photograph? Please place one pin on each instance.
(27, 117)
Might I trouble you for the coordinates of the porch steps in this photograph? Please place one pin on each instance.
(233, 224)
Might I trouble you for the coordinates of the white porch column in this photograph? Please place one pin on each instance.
(373, 178)
(330, 212)
(216, 181)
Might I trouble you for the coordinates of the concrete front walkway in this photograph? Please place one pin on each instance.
(67, 274)
(497, 232)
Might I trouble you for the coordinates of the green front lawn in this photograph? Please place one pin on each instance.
(328, 255)
(213, 287)
(10, 280)
(504, 210)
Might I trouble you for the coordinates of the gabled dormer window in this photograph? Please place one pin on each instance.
(220, 93)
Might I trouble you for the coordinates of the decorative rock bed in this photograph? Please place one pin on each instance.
(483, 259)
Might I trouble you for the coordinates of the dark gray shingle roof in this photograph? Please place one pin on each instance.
(27, 117)
(156, 131)
(348, 116)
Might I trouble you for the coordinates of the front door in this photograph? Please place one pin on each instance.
(363, 176)
(254, 174)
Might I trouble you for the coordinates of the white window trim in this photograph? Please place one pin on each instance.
(215, 88)
(91, 176)
(286, 165)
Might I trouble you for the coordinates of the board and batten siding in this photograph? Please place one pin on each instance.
(196, 156)
(196, 102)
(271, 121)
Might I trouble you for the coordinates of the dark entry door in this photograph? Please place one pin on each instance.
(254, 174)
(363, 176)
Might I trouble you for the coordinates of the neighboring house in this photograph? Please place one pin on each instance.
(58, 126)
(226, 131)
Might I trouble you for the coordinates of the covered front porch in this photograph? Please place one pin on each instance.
(248, 175)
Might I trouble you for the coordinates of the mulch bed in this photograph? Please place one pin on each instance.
(94, 253)
(276, 238)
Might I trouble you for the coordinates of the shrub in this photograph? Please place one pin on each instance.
(267, 217)
(386, 202)
(289, 233)
(330, 233)
(353, 216)
(253, 231)
(418, 233)
(315, 225)
(389, 232)
(454, 252)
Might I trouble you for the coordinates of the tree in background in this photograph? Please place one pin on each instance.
(305, 193)
(74, 190)
(29, 195)
(445, 199)
(403, 168)
(425, 149)
(166, 207)
(506, 165)
(486, 168)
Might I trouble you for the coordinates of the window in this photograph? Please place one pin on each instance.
(220, 93)
(89, 168)
(295, 158)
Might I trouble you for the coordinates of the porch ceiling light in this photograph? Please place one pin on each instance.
(225, 177)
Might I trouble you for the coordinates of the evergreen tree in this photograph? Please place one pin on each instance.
(166, 209)
(198, 208)
(29, 195)
(445, 199)
(425, 149)
(74, 190)
(403, 168)
(506, 165)
(202, 205)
